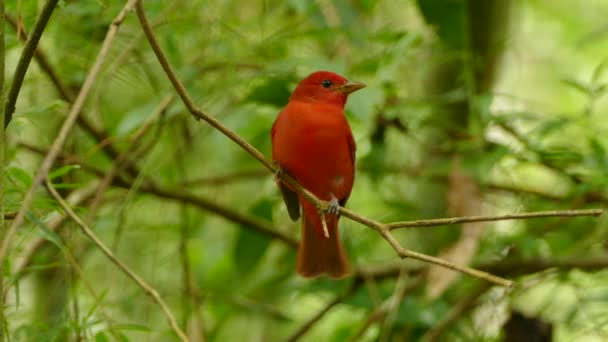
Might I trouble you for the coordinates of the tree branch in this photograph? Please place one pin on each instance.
(148, 290)
(457, 220)
(53, 222)
(3, 216)
(526, 266)
(26, 57)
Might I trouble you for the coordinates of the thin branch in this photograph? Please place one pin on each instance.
(393, 305)
(43, 61)
(3, 216)
(457, 220)
(26, 58)
(122, 160)
(224, 211)
(87, 284)
(526, 266)
(304, 328)
(383, 309)
(53, 222)
(183, 94)
(65, 129)
(404, 253)
(148, 290)
(456, 312)
(253, 174)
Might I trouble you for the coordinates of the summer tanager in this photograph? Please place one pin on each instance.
(313, 143)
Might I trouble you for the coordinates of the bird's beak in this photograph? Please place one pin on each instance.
(350, 87)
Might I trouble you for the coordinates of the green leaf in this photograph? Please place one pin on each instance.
(577, 85)
(23, 178)
(95, 305)
(45, 232)
(250, 246)
(44, 109)
(551, 126)
(63, 170)
(101, 337)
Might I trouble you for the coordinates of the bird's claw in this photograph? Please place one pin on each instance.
(278, 175)
(333, 206)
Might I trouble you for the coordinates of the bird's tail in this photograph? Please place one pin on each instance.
(317, 253)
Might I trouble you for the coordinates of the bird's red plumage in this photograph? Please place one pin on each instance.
(312, 142)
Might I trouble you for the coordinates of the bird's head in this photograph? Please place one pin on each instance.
(325, 86)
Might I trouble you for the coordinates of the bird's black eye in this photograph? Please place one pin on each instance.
(326, 83)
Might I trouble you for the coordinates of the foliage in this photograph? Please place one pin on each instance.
(531, 136)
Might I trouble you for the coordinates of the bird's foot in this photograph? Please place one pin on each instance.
(278, 175)
(333, 206)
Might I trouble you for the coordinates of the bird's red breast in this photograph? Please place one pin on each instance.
(312, 142)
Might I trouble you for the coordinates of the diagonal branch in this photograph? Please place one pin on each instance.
(68, 124)
(148, 290)
(456, 312)
(26, 57)
(304, 328)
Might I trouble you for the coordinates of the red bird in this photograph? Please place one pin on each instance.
(313, 143)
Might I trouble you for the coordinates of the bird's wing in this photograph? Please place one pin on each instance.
(291, 201)
(352, 146)
(290, 197)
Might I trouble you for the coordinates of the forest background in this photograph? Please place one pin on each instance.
(472, 107)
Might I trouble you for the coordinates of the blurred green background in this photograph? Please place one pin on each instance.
(471, 107)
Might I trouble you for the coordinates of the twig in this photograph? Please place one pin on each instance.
(123, 158)
(10, 216)
(87, 284)
(253, 174)
(324, 223)
(380, 311)
(526, 266)
(26, 58)
(3, 322)
(304, 328)
(226, 212)
(148, 290)
(43, 61)
(65, 129)
(183, 94)
(404, 253)
(393, 305)
(456, 220)
(53, 223)
(457, 311)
